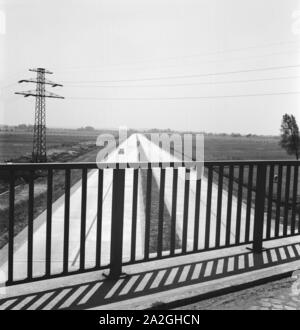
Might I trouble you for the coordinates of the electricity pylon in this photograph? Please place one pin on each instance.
(39, 153)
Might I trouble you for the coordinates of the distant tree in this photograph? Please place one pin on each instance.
(236, 135)
(290, 138)
(86, 128)
(22, 126)
(89, 128)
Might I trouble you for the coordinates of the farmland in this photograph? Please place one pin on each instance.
(17, 144)
(217, 147)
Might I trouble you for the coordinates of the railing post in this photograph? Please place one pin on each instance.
(259, 208)
(117, 221)
(11, 226)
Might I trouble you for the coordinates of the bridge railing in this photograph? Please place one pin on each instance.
(150, 213)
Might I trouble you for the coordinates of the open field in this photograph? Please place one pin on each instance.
(227, 147)
(217, 147)
(18, 144)
(243, 148)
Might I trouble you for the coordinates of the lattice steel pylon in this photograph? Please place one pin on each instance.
(39, 153)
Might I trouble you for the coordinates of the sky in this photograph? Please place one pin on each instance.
(201, 65)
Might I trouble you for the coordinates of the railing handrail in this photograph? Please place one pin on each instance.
(95, 165)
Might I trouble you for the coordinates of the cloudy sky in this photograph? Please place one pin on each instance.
(205, 65)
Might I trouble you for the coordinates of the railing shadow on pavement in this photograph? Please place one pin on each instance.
(139, 284)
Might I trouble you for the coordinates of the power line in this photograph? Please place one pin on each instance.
(179, 98)
(11, 77)
(7, 86)
(176, 57)
(93, 69)
(185, 84)
(190, 76)
(217, 52)
(143, 65)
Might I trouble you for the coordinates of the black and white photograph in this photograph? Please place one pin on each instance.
(149, 158)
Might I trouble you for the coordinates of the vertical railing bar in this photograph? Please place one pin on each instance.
(229, 204)
(249, 202)
(161, 212)
(30, 224)
(297, 208)
(83, 218)
(287, 196)
(134, 213)
(49, 221)
(295, 191)
(185, 212)
(208, 207)
(270, 201)
(148, 215)
(99, 218)
(219, 206)
(67, 221)
(259, 208)
(10, 273)
(117, 223)
(239, 205)
(197, 213)
(174, 210)
(278, 201)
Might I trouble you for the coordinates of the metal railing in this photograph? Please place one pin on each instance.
(235, 203)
